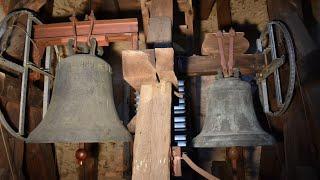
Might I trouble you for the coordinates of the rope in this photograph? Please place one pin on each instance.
(27, 34)
(7, 152)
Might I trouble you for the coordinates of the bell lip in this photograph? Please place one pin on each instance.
(242, 140)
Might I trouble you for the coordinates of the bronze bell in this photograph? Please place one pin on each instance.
(230, 119)
(82, 107)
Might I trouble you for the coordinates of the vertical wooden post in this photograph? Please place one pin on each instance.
(151, 150)
(224, 14)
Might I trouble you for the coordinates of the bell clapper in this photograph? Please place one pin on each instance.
(81, 154)
(235, 155)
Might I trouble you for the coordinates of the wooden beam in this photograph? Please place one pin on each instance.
(210, 44)
(39, 158)
(165, 65)
(208, 65)
(206, 8)
(83, 28)
(224, 14)
(160, 31)
(161, 8)
(11, 89)
(139, 67)
(151, 152)
(145, 67)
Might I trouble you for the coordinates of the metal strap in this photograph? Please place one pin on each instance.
(197, 168)
(221, 52)
(232, 35)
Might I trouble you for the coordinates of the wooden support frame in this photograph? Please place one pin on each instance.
(152, 73)
(146, 66)
(151, 151)
(157, 21)
(209, 65)
(104, 31)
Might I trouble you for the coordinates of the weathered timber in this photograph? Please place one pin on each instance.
(11, 89)
(145, 15)
(224, 14)
(40, 159)
(210, 44)
(161, 8)
(209, 65)
(206, 8)
(83, 28)
(142, 67)
(151, 151)
(16, 41)
(160, 31)
(301, 134)
(165, 65)
(139, 67)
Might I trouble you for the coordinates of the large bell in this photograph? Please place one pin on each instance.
(230, 119)
(82, 107)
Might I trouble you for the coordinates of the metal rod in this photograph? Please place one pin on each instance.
(276, 72)
(46, 88)
(11, 65)
(24, 84)
(35, 68)
(36, 20)
(265, 96)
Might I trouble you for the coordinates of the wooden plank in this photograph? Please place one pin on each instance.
(165, 65)
(208, 65)
(39, 158)
(145, 16)
(161, 8)
(224, 14)
(16, 40)
(17, 146)
(114, 160)
(142, 67)
(206, 8)
(11, 89)
(160, 31)
(151, 152)
(139, 67)
(210, 44)
(83, 27)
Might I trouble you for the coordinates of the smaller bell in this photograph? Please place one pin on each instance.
(230, 119)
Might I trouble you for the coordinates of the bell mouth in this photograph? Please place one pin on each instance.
(231, 140)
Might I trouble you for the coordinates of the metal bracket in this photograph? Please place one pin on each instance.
(24, 69)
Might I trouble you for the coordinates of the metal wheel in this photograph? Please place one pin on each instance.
(277, 43)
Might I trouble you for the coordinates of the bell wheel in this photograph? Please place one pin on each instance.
(277, 80)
